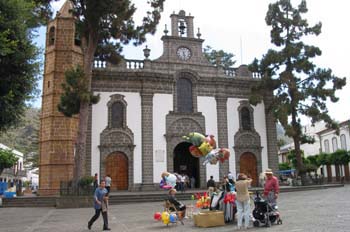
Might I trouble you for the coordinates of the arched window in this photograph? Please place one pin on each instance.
(245, 119)
(343, 142)
(326, 146)
(52, 36)
(184, 95)
(117, 116)
(334, 144)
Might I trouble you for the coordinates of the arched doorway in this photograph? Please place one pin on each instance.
(248, 166)
(116, 166)
(185, 163)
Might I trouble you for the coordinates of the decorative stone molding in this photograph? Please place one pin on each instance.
(116, 98)
(248, 141)
(117, 140)
(245, 104)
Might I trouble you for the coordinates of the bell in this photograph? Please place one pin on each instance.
(182, 28)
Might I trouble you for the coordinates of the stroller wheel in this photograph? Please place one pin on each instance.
(279, 222)
(256, 223)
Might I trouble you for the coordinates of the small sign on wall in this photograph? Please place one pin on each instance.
(160, 156)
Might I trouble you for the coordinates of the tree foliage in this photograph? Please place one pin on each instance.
(7, 159)
(75, 91)
(300, 88)
(219, 57)
(19, 62)
(103, 27)
(284, 166)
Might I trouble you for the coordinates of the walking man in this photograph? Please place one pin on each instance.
(99, 197)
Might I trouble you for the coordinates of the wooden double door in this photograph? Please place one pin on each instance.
(248, 166)
(116, 166)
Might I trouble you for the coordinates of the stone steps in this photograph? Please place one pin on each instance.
(123, 198)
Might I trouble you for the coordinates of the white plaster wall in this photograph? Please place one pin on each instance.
(100, 121)
(260, 127)
(233, 127)
(207, 105)
(162, 104)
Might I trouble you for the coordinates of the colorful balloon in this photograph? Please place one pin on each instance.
(212, 157)
(157, 216)
(205, 148)
(224, 154)
(171, 180)
(210, 139)
(172, 218)
(195, 152)
(195, 138)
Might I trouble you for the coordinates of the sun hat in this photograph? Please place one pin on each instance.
(268, 171)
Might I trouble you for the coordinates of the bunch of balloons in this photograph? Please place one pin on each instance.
(168, 181)
(203, 201)
(230, 198)
(205, 146)
(165, 217)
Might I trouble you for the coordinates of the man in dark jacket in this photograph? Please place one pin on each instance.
(211, 185)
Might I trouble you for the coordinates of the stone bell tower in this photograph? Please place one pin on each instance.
(57, 132)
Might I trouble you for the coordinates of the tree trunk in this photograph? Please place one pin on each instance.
(346, 171)
(89, 48)
(329, 173)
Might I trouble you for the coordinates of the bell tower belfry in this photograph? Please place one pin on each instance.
(182, 25)
(57, 132)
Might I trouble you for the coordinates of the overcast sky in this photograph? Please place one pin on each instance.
(238, 26)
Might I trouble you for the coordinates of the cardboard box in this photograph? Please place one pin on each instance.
(209, 219)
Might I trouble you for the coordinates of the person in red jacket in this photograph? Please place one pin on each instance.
(271, 188)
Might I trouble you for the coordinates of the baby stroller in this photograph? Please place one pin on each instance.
(265, 213)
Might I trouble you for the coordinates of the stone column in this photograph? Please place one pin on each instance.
(189, 22)
(271, 135)
(221, 109)
(147, 140)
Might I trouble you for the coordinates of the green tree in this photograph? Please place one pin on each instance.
(284, 166)
(340, 158)
(219, 57)
(300, 88)
(104, 27)
(18, 57)
(7, 159)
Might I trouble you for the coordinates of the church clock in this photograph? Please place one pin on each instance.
(183, 53)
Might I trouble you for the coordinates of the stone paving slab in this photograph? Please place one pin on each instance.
(318, 210)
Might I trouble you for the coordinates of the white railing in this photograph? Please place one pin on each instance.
(99, 64)
(134, 64)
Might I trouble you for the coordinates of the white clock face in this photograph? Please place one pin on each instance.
(183, 53)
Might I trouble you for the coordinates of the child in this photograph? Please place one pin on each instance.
(104, 207)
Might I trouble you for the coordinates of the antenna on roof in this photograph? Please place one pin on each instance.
(241, 48)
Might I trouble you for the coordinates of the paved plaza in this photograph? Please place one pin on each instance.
(317, 210)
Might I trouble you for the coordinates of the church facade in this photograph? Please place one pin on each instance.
(146, 106)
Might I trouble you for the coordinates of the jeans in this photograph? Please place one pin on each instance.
(97, 215)
(243, 210)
